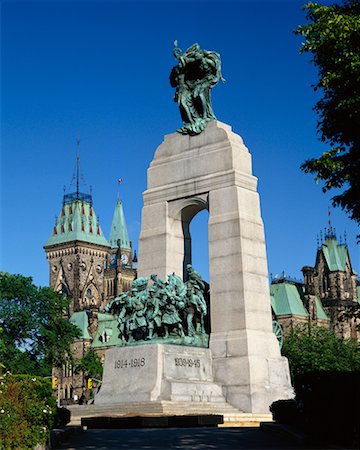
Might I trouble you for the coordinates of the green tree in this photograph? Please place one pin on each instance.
(34, 334)
(319, 349)
(91, 365)
(332, 36)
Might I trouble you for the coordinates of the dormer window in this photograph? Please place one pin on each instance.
(106, 335)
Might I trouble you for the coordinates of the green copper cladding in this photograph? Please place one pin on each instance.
(119, 233)
(77, 221)
(286, 300)
(335, 254)
(81, 320)
(196, 73)
(320, 313)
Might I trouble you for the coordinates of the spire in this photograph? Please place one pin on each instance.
(77, 220)
(77, 166)
(119, 230)
(330, 232)
(77, 178)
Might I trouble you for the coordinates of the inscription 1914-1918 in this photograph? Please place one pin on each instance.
(131, 363)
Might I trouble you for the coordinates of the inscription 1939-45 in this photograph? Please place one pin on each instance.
(187, 362)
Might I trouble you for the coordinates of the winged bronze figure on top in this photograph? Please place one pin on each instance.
(196, 73)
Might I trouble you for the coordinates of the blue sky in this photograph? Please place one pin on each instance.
(100, 70)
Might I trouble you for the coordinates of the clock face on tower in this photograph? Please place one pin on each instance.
(124, 259)
(113, 260)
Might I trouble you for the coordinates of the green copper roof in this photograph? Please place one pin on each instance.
(107, 328)
(286, 300)
(81, 320)
(77, 221)
(335, 254)
(358, 293)
(119, 230)
(320, 313)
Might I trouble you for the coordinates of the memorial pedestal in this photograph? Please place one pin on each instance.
(156, 372)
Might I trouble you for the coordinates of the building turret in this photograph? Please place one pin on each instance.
(119, 272)
(119, 234)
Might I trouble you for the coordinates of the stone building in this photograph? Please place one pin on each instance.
(328, 296)
(91, 270)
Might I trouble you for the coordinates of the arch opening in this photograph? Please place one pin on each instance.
(196, 243)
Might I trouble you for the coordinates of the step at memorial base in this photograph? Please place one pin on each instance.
(167, 408)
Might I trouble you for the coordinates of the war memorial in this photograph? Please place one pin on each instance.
(186, 347)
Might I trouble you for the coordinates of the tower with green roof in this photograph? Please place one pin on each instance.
(78, 251)
(332, 283)
(119, 274)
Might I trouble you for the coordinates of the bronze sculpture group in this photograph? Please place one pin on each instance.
(164, 310)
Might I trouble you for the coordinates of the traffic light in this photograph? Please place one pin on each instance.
(54, 382)
(90, 383)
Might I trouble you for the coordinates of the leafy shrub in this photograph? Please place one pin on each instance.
(27, 411)
(310, 349)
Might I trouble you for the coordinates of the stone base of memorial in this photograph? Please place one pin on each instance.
(157, 372)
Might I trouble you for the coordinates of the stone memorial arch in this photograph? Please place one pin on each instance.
(213, 170)
(204, 165)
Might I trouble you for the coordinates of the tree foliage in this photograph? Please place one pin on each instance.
(91, 365)
(34, 335)
(315, 348)
(332, 36)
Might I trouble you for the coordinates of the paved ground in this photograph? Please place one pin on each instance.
(182, 438)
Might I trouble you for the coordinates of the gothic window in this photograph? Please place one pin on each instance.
(91, 296)
(325, 284)
(348, 284)
(64, 290)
